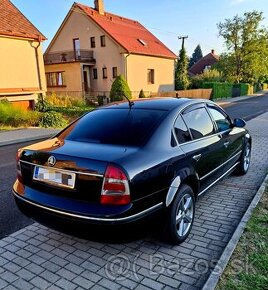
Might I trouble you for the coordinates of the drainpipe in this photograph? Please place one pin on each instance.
(38, 63)
(126, 66)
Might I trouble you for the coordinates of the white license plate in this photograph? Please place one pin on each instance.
(54, 177)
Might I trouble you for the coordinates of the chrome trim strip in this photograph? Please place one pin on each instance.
(226, 173)
(173, 190)
(90, 218)
(211, 172)
(64, 170)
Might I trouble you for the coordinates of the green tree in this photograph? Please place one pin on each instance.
(246, 40)
(181, 73)
(196, 56)
(120, 89)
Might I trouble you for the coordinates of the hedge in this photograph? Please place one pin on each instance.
(245, 89)
(219, 90)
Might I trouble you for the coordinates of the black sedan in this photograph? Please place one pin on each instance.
(123, 162)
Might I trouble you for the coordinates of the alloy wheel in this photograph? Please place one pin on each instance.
(184, 215)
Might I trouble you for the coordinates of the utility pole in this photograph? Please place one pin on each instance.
(183, 38)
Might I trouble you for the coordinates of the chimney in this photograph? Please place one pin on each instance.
(99, 6)
(212, 51)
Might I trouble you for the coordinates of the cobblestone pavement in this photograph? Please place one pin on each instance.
(40, 258)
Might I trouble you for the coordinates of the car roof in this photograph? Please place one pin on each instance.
(167, 104)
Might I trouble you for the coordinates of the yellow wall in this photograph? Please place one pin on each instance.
(137, 67)
(72, 75)
(80, 26)
(133, 67)
(18, 66)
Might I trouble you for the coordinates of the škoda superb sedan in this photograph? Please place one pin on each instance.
(123, 162)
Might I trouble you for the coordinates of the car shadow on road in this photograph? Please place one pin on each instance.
(150, 228)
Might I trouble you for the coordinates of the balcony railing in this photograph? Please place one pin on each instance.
(70, 56)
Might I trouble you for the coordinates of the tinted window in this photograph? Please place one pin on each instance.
(116, 126)
(221, 120)
(181, 131)
(199, 123)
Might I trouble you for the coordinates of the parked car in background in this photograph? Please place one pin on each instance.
(125, 161)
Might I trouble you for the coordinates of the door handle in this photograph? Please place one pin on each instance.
(197, 157)
(226, 143)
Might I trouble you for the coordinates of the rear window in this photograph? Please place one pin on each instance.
(116, 126)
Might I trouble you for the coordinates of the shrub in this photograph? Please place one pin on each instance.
(42, 105)
(72, 112)
(52, 119)
(211, 75)
(120, 89)
(4, 101)
(219, 90)
(141, 94)
(257, 87)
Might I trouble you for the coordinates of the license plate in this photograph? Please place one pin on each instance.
(54, 177)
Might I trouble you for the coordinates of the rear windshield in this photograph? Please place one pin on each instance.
(116, 126)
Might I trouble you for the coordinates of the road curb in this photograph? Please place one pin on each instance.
(215, 275)
(29, 139)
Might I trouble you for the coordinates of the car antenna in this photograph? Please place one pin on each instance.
(130, 103)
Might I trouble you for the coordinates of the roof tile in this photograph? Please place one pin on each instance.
(130, 34)
(14, 23)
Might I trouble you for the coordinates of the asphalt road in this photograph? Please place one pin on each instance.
(12, 220)
(248, 109)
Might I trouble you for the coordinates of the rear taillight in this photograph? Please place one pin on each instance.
(19, 174)
(115, 188)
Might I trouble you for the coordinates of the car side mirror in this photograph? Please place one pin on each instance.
(240, 123)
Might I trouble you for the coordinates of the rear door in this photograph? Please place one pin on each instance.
(204, 148)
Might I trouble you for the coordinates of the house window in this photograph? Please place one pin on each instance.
(95, 74)
(150, 76)
(92, 42)
(115, 72)
(55, 79)
(104, 73)
(102, 39)
(77, 53)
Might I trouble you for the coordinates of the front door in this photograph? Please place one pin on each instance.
(85, 77)
(204, 151)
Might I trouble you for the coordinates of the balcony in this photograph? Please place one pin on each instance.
(82, 55)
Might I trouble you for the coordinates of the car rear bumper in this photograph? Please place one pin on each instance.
(42, 212)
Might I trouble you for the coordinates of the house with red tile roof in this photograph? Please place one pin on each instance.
(204, 63)
(22, 73)
(92, 47)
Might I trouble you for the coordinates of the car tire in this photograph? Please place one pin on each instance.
(180, 215)
(243, 166)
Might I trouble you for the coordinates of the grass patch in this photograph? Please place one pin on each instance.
(17, 117)
(57, 114)
(71, 113)
(248, 266)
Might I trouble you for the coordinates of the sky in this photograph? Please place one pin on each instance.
(166, 19)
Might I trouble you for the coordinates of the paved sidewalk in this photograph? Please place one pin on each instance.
(241, 98)
(40, 258)
(24, 135)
